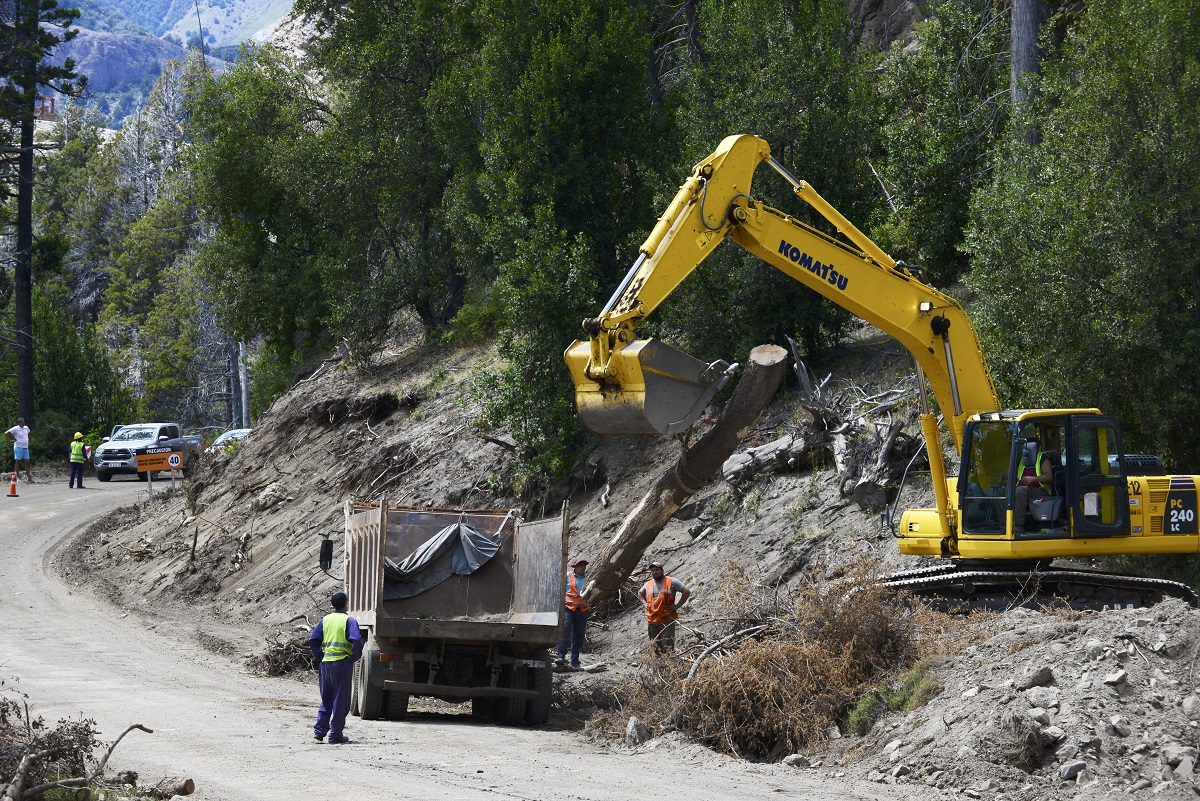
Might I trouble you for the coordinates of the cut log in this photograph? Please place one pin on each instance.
(696, 465)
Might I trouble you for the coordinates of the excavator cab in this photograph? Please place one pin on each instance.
(644, 387)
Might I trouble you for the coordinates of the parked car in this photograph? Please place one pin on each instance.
(118, 453)
(227, 441)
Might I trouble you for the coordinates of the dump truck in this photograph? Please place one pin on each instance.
(461, 605)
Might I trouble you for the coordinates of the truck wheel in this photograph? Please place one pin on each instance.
(395, 705)
(481, 708)
(103, 476)
(513, 709)
(354, 682)
(370, 697)
(537, 710)
(142, 476)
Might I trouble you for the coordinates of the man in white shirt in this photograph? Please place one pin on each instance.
(19, 434)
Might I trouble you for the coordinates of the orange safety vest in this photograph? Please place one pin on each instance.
(660, 607)
(575, 600)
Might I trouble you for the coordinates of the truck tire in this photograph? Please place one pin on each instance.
(481, 708)
(142, 476)
(354, 682)
(370, 696)
(512, 710)
(103, 476)
(395, 705)
(537, 710)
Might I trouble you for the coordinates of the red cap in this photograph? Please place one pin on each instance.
(578, 560)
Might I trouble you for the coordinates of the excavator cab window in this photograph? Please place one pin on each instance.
(983, 488)
(1101, 496)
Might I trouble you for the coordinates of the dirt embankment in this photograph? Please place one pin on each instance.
(1044, 706)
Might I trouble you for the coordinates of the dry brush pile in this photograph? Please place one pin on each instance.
(781, 666)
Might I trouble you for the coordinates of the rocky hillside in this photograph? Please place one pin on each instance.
(1042, 705)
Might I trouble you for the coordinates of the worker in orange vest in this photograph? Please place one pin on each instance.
(662, 610)
(575, 619)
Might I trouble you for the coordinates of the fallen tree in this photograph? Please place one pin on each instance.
(696, 465)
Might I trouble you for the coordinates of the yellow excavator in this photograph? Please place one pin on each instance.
(1033, 484)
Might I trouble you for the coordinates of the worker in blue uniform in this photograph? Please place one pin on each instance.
(337, 642)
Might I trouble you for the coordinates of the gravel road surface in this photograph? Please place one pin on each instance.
(245, 738)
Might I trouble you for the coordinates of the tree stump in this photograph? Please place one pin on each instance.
(696, 465)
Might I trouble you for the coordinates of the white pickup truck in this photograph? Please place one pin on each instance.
(118, 453)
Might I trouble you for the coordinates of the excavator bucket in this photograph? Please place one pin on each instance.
(651, 388)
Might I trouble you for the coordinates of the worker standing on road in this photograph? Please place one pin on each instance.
(575, 620)
(19, 434)
(662, 610)
(77, 460)
(337, 642)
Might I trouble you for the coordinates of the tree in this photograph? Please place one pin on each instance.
(26, 38)
(1085, 243)
(947, 104)
(793, 74)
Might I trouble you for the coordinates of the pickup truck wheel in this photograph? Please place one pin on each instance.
(142, 476)
(103, 476)
(395, 705)
(370, 696)
(513, 709)
(537, 710)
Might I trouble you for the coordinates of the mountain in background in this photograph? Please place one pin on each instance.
(223, 22)
(122, 44)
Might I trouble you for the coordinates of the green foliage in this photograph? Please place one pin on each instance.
(531, 394)
(946, 105)
(792, 74)
(75, 387)
(914, 688)
(1085, 244)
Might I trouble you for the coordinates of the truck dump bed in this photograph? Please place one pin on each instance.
(515, 596)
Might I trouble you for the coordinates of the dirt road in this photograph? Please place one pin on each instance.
(244, 738)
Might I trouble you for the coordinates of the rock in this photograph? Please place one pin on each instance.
(1186, 767)
(1119, 726)
(1140, 784)
(1069, 770)
(1114, 679)
(901, 770)
(1035, 677)
(877, 777)
(1040, 715)
(1044, 697)
(933, 778)
(892, 746)
(1191, 707)
(895, 756)
(1174, 753)
(833, 733)
(971, 693)
(1053, 734)
(1162, 787)
(797, 761)
(1083, 777)
(636, 732)
(989, 785)
(1094, 649)
(1067, 752)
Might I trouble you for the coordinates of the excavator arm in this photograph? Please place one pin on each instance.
(629, 386)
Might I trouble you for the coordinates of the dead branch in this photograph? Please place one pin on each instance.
(17, 792)
(735, 636)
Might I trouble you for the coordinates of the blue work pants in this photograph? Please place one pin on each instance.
(336, 678)
(76, 473)
(574, 624)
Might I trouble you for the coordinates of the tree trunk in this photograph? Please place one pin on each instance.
(696, 465)
(23, 269)
(1024, 60)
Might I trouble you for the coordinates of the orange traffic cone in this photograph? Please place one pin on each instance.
(12, 488)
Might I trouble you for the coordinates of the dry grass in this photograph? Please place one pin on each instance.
(823, 646)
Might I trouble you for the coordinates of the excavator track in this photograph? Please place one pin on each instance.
(1033, 586)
